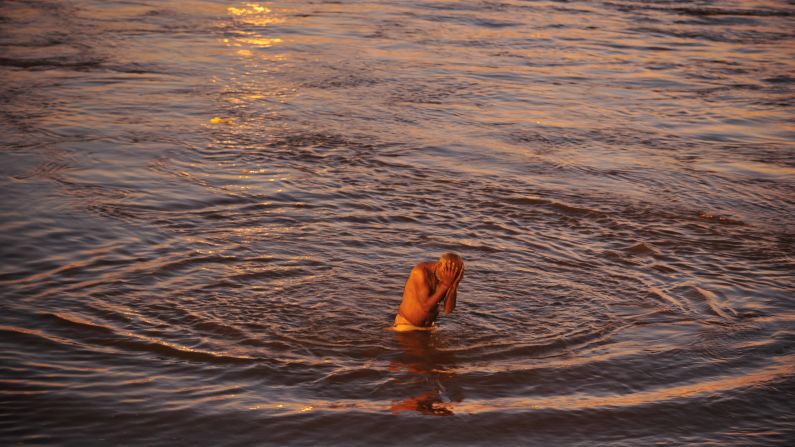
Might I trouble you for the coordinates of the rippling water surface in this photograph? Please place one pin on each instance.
(209, 210)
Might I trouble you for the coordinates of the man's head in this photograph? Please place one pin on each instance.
(448, 259)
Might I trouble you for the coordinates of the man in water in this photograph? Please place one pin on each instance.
(429, 284)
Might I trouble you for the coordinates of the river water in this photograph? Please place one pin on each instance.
(209, 210)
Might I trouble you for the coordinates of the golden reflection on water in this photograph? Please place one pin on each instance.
(427, 365)
(259, 42)
(251, 8)
(253, 14)
(252, 41)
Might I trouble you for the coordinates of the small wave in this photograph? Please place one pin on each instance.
(78, 322)
(718, 308)
(347, 375)
(732, 12)
(263, 274)
(556, 205)
(52, 62)
(643, 249)
(576, 340)
(39, 336)
(718, 218)
(116, 338)
(168, 266)
(668, 299)
(343, 81)
(695, 301)
(139, 342)
(783, 79)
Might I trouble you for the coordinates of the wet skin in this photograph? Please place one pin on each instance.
(428, 284)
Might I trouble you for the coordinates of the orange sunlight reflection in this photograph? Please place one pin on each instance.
(252, 14)
(428, 365)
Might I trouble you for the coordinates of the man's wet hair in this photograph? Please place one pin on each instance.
(449, 258)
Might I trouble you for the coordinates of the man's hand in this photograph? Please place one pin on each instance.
(459, 275)
(452, 291)
(449, 275)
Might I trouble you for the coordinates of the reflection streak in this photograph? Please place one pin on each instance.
(426, 365)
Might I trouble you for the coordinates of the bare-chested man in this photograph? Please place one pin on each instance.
(429, 284)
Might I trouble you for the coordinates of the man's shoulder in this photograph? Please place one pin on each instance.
(421, 269)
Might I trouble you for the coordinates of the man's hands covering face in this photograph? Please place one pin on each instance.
(451, 274)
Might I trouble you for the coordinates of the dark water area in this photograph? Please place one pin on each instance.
(208, 211)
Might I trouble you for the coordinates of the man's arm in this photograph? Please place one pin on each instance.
(452, 293)
(422, 292)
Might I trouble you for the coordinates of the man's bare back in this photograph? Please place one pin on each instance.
(429, 283)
